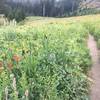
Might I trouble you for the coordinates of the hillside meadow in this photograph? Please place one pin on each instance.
(47, 58)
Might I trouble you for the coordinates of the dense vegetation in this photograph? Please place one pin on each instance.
(51, 8)
(47, 7)
(45, 60)
(14, 14)
(95, 31)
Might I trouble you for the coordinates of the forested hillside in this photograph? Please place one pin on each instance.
(52, 8)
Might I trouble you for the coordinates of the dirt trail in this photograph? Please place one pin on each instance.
(95, 71)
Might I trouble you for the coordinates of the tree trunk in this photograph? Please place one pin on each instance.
(44, 9)
(73, 4)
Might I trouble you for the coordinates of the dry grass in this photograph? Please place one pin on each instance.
(45, 20)
(1, 21)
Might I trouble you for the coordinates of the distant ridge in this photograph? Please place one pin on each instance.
(92, 4)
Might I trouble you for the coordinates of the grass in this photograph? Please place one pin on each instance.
(46, 58)
(1, 21)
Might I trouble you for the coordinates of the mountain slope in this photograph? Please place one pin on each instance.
(92, 4)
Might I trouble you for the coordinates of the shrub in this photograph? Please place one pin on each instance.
(17, 14)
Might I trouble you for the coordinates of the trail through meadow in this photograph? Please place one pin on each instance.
(95, 71)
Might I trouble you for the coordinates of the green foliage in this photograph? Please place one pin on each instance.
(97, 34)
(17, 14)
(49, 62)
(94, 29)
(88, 11)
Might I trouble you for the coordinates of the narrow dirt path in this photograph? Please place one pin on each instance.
(95, 71)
